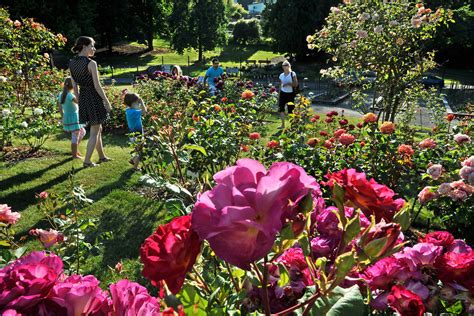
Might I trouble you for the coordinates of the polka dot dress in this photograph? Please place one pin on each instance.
(91, 106)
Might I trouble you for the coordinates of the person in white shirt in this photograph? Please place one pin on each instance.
(288, 82)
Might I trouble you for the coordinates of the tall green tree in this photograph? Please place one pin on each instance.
(149, 18)
(288, 22)
(198, 24)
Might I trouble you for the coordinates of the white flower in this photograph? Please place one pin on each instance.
(378, 29)
(19, 72)
(309, 38)
(24, 124)
(335, 10)
(3, 79)
(5, 112)
(37, 111)
(354, 44)
(375, 17)
(415, 22)
(393, 23)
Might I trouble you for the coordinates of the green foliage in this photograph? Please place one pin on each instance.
(198, 24)
(385, 38)
(288, 22)
(29, 85)
(247, 31)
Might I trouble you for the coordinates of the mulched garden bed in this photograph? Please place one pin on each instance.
(12, 154)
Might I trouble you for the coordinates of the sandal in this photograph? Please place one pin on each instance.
(105, 159)
(89, 164)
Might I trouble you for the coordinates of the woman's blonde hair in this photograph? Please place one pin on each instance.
(286, 63)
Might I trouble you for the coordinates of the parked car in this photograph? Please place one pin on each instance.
(432, 81)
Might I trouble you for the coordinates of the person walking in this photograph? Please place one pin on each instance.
(288, 84)
(93, 103)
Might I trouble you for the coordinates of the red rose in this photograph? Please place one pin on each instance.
(312, 142)
(360, 125)
(327, 144)
(440, 238)
(329, 120)
(323, 133)
(254, 135)
(371, 197)
(457, 268)
(224, 100)
(273, 144)
(339, 132)
(170, 253)
(450, 117)
(406, 150)
(343, 122)
(244, 148)
(405, 302)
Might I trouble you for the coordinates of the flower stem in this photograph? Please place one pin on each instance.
(264, 285)
(206, 287)
(234, 282)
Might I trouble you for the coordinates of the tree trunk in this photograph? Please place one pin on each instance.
(200, 49)
(149, 40)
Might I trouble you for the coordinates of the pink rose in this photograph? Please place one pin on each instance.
(466, 172)
(47, 238)
(294, 261)
(130, 298)
(322, 247)
(7, 216)
(420, 255)
(458, 195)
(459, 246)
(427, 143)
(346, 139)
(462, 138)
(247, 207)
(469, 162)
(339, 132)
(43, 195)
(406, 150)
(427, 194)
(444, 189)
(384, 273)
(26, 282)
(435, 171)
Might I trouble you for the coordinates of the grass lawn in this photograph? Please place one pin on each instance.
(126, 65)
(120, 209)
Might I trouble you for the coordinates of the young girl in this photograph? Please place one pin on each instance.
(70, 116)
(133, 113)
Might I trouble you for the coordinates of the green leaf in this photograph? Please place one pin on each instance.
(192, 147)
(193, 304)
(4, 243)
(402, 218)
(352, 229)
(340, 302)
(284, 276)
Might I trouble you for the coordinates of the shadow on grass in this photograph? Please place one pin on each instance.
(130, 224)
(28, 176)
(20, 200)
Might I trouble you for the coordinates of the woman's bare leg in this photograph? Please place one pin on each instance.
(91, 144)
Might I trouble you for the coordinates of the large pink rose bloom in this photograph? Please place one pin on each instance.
(80, 295)
(420, 255)
(7, 216)
(368, 195)
(28, 281)
(130, 299)
(247, 208)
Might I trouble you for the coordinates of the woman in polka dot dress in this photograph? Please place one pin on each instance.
(93, 103)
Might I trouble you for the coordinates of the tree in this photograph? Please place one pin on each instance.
(198, 24)
(288, 22)
(388, 38)
(247, 31)
(148, 18)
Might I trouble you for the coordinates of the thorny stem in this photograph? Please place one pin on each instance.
(234, 282)
(264, 285)
(206, 287)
